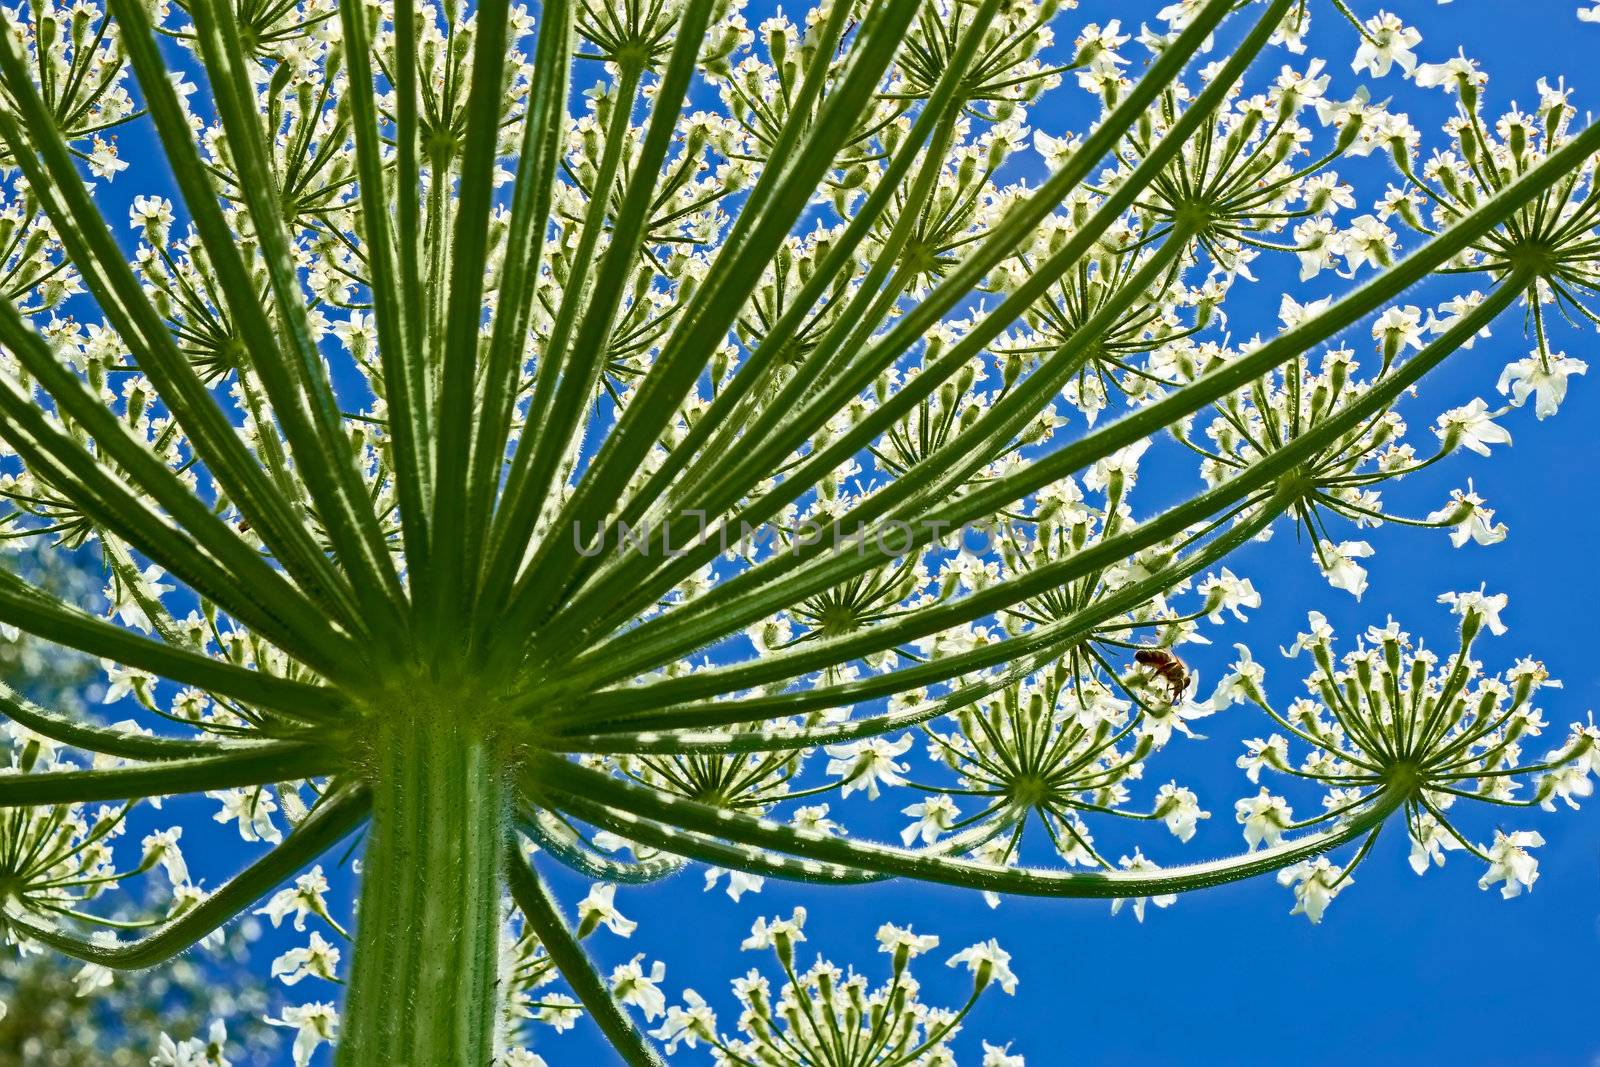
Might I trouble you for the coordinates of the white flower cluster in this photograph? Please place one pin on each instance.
(829, 1015)
(1392, 722)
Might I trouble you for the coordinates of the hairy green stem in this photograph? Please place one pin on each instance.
(244, 765)
(103, 739)
(30, 608)
(547, 830)
(423, 986)
(399, 346)
(708, 849)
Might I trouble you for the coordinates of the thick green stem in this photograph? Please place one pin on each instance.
(233, 767)
(423, 988)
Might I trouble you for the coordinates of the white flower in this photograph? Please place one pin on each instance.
(1273, 753)
(103, 161)
(1470, 518)
(1339, 566)
(182, 85)
(1264, 818)
(1162, 718)
(318, 959)
(303, 898)
(900, 939)
(691, 1024)
(1292, 313)
(172, 1054)
(1449, 74)
(357, 333)
(1367, 240)
(865, 765)
(599, 907)
(146, 584)
(1534, 674)
(162, 846)
(1545, 378)
(987, 962)
(1316, 245)
(1179, 808)
(1485, 607)
(1001, 1056)
(1589, 14)
(814, 819)
(1453, 311)
(186, 896)
(1137, 862)
(125, 681)
(1118, 470)
(1430, 841)
(1387, 42)
(765, 934)
(1316, 882)
(1399, 328)
(314, 1023)
(934, 816)
(1225, 592)
(1241, 684)
(558, 1011)
(1054, 149)
(150, 212)
(1510, 863)
(1570, 783)
(611, 842)
(739, 882)
(633, 986)
(521, 1057)
(91, 978)
(1097, 48)
(194, 1052)
(1472, 427)
(252, 809)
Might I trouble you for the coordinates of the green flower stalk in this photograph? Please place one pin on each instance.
(499, 451)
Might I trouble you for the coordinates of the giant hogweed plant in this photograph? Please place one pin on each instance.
(509, 462)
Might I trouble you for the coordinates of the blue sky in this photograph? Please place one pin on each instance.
(1404, 969)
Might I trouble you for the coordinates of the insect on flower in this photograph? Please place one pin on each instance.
(1164, 664)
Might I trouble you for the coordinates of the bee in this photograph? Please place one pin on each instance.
(1165, 665)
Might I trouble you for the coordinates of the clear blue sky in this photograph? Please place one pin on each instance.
(1404, 969)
